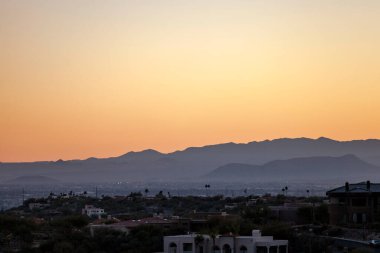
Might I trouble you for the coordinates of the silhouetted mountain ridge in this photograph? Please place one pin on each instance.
(193, 162)
(318, 168)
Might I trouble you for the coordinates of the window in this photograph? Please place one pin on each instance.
(187, 247)
(243, 249)
(227, 248)
(273, 249)
(216, 249)
(342, 200)
(172, 248)
(261, 249)
(359, 201)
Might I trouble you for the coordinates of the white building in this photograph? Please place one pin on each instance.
(193, 243)
(92, 211)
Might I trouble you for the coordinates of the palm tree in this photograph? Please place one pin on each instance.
(146, 192)
(198, 240)
(207, 186)
(212, 233)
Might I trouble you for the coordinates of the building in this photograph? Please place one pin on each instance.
(354, 203)
(256, 243)
(92, 211)
(128, 225)
(288, 212)
(38, 206)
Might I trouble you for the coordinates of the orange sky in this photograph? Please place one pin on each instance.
(101, 78)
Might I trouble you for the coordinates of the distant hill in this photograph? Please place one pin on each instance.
(309, 168)
(193, 163)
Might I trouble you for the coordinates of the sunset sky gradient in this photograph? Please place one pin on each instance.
(101, 78)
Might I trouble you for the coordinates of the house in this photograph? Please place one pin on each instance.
(38, 206)
(230, 206)
(128, 225)
(256, 243)
(288, 212)
(354, 203)
(92, 211)
(252, 202)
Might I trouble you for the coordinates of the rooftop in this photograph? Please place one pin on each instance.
(145, 221)
(357, 188)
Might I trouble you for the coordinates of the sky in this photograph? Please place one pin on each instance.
(95, 78)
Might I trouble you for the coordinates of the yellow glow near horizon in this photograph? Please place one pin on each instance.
(100, 78)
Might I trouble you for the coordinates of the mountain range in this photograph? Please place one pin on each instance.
(295, 159)
(298, 169)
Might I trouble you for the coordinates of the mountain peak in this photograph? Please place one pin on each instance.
(142, 154)
(325, 139)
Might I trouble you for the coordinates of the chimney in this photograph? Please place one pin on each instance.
(256, 233)
(347, 187)
(368, 185)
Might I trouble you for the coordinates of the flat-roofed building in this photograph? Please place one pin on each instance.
(92, 211)
(256, 243)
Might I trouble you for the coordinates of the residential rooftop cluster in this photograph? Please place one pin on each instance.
(256, 224)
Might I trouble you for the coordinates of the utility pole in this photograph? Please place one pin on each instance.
(96, 192)
(23, 196)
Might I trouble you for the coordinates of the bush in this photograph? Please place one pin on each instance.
(361, 250)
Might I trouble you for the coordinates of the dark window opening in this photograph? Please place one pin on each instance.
(187, 247)
(359, 202)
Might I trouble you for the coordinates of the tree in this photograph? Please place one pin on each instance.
(213, 233)
(144, 239)
(280, 231)
(305, 214)
(198, 240)
(63, 247)
(68, 224)
(160, 194)
(207, 186)
(361, 250)
(312, 214)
